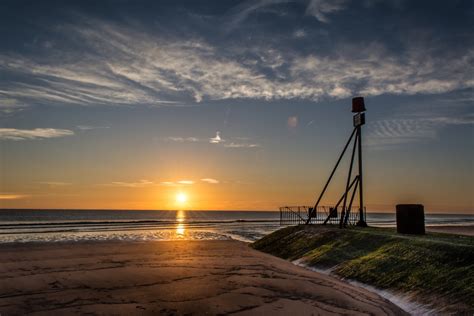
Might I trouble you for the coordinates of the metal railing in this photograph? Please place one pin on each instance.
(295, 215)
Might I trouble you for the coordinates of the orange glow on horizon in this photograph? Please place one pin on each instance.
(201, 195)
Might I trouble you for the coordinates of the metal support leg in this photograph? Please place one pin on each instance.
(332, 174)
(350, 203)
(348, 181)
(362, 221)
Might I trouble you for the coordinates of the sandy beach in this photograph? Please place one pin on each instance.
(172, 278)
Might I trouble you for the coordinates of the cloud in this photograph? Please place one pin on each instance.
(235, 142)
(177, 183)
(388, 133)
(445, 120)
(217, 139)
(139, 184)
(242, 11)
(182, 139)
(241, 145)
(12, 196)
(185, 182)
(125, 65)
(9, 105)
(56, 183)
(30, 134)
(299, 33)
(374, 71)
(167, 183)
(144, 183)
(210, 180)
(400, 131)
(320, 9)
(89, 127)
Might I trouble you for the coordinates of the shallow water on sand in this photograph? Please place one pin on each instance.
(123, 225)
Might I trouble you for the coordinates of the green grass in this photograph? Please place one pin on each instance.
(433, 266)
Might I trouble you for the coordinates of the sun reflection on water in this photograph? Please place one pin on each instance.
(180, 218)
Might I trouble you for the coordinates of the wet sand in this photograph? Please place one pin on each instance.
(467, 230)
(172, 278)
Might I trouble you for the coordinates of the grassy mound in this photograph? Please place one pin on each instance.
(432, 268)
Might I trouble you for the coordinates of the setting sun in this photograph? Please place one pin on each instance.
(181, 198)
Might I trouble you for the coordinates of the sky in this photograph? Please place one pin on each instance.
(238, 105)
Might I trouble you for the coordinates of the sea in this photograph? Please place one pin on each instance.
(20, 226)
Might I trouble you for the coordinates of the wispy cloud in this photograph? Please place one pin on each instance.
(142, 68)
(299, 33)
(147, 183)
(90, 127)
(210, 180)
(185, 182)
(320, 9)
(167, 183)
(374, 71)
(30, 134)
(182, 139)
(56, 183)
(9, 105)
(139, 184)
(388, 133)
(217, 139)
(242, 11)
(241, 145)
(445, 120)
(233, 142)
(11, 196)
(400, 131)
(177, 183)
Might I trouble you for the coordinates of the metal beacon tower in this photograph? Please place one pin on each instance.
(343, 212)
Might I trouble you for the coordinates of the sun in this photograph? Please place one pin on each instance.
(181, 198)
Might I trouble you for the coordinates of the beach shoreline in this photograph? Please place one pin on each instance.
(465, 230)
(24, 226)
(169, 277)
